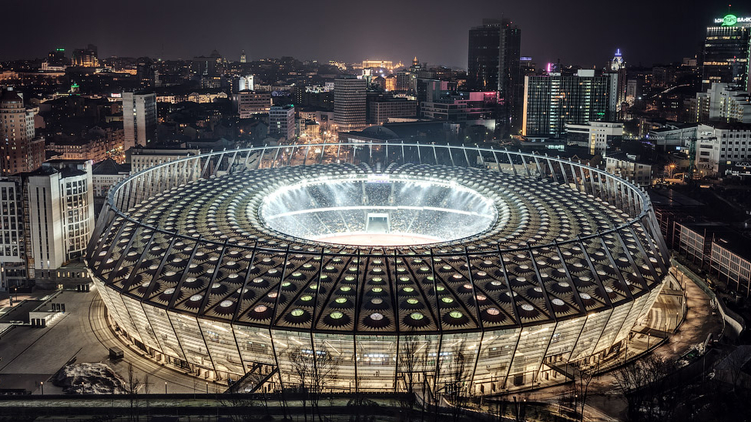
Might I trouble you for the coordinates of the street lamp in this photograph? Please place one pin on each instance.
(41, 384)
(165, 387)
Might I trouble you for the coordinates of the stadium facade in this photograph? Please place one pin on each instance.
(255, 264)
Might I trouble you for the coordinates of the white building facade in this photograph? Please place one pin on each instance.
(139, 119)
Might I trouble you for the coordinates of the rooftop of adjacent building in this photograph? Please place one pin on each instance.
(728, 125)
(631, 158)
(10, 96)
(66, 168)
(110, 166)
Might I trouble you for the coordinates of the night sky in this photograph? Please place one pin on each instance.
(581, 32)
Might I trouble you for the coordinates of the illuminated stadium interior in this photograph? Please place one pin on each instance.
(379, 209)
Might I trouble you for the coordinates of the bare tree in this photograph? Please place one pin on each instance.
(134, 384)
(457, 380)
(314, 370)
(407, 364)
(241, 406)
(640, 384)
(583, 376)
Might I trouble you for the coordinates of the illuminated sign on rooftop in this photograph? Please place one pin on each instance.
(731, 20)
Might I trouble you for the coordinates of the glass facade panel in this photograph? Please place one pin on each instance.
(141, 322)
(564, 339)
(164, 332)
(336, 364)
(458, 357)
(529, 353)
(615, 326)
(222, 346)
(191, 340)
(126, 321)
(496, 352)
(590, 334)
(255, 346)
(295, 354)
(376, 362)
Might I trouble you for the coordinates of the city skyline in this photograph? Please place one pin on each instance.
(436, 32)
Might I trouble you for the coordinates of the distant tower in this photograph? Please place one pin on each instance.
(617, 63)
(243, 57)
(618, 81)
(494, 65)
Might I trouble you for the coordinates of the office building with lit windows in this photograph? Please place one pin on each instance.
(350, 104)
(727, 51)
(554, 100)
(47, 220)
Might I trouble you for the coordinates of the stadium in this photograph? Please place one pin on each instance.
(377, 267)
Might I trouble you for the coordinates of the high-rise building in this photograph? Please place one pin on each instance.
(50, 216)
(391, 83)
(726, 52)
(382, 109)
(139, 119)
(617, 71)
(243, 57)
(551, 101)
(350, 103)
(282, 122)
(21, 150)
(494, 65)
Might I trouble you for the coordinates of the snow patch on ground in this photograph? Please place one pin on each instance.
(89, 378)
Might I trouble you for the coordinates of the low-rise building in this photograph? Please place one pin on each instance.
(250, 103)
(630, 167)
(106, 174)
(594, 135)
(380, 111)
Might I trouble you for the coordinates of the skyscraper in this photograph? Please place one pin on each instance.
(350, 103)
(493, 65)
(618, 78)
(554, 100)
(727, 48)
(139, 119)
(21, 150)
